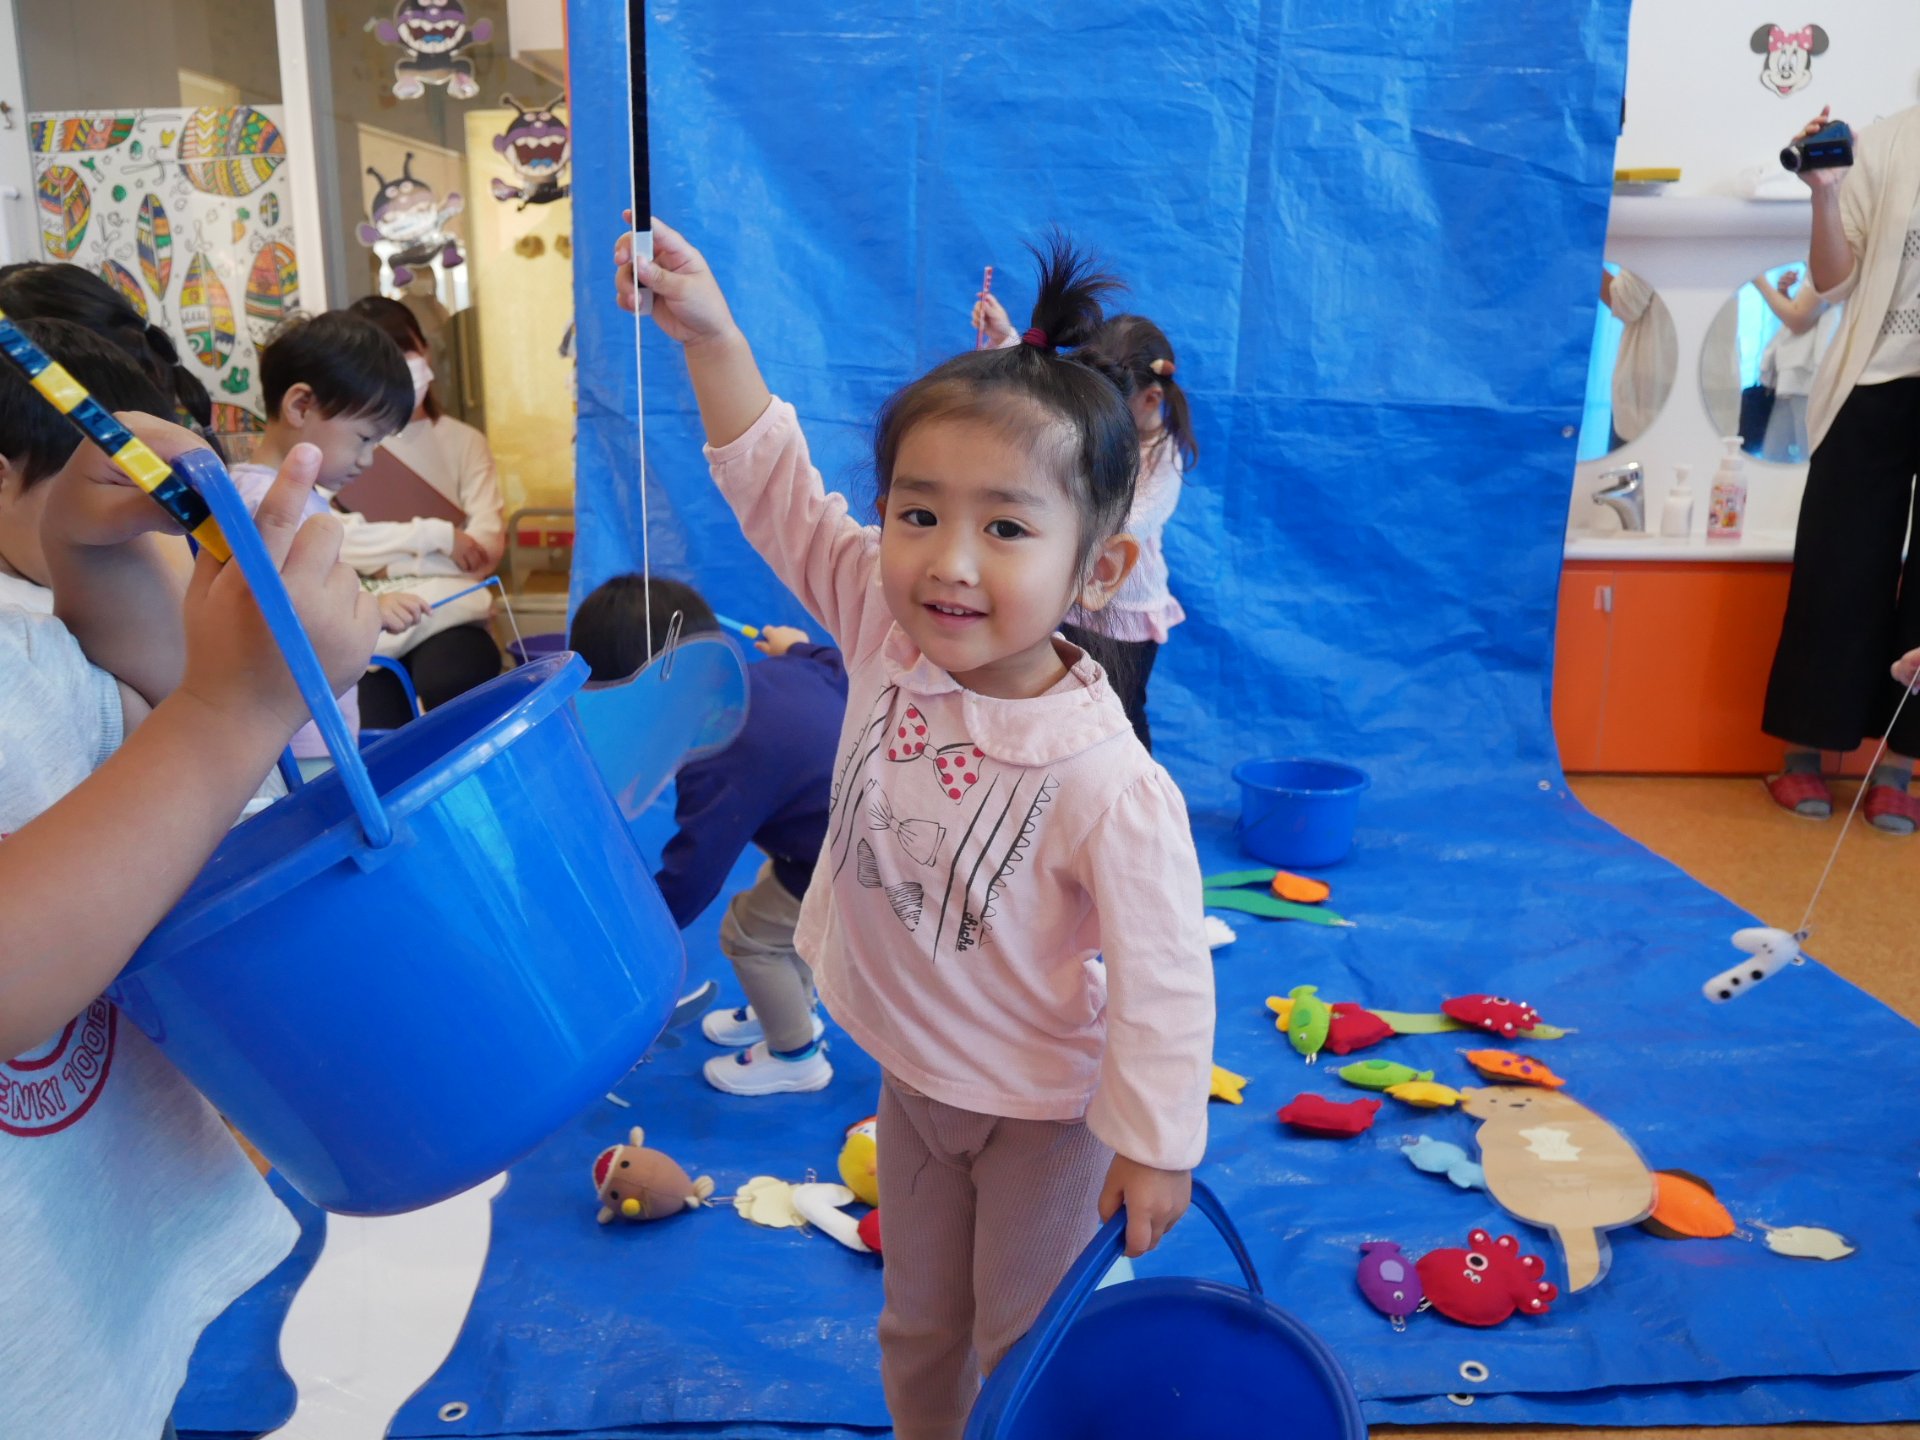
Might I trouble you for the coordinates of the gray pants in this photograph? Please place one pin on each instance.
(757, 936)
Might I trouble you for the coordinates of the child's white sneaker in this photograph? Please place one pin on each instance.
(757, 1071)
(737, 1029)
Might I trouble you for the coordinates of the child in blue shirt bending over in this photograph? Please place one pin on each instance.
(771, 788)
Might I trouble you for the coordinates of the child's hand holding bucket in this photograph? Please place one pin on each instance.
(234, 665)
(1155, 1200)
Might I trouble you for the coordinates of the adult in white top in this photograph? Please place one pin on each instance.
(1854, 605)
(1790, 363)
(453, 649)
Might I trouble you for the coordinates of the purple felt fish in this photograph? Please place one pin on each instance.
(1389, 1281)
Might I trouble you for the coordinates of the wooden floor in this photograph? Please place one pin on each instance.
(1732, 838)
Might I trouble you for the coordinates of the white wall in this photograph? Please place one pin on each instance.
(1694, 97)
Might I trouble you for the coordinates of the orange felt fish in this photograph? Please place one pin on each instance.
(1685, 1208)
(1515, 1069)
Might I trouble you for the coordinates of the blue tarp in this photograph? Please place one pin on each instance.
(1370, 227)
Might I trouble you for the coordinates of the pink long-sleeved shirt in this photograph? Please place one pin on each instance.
(983, 854)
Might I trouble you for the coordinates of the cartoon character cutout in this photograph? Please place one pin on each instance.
(432, 33)
(1786, 63)
(408, 228)
(539, 147)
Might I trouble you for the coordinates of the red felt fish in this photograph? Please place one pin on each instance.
(1492, 1013)
(1355, 1028)
(1487, 1281)
(1319, 1116)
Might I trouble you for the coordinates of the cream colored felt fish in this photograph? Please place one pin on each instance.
(1807, 1242)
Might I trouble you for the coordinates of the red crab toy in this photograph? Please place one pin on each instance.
(1492, 1013)
(1318, 1116)
(1486, 1282)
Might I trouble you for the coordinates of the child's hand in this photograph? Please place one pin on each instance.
(991, 316)
(1907, 668)
(778, 639)
(401, 610)
(93, 503)
(234, 665)
(687, 302)
(1155, 1200)
(471, 555)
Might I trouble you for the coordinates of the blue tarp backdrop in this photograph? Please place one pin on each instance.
(1371, 228)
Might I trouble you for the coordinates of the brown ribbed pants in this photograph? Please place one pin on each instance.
(983, 1216)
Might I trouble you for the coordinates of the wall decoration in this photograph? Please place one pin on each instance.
(408, 224)
(119, 190)
(121, 278)
(432, 35)
(1786, 56)
(65, 207)
(230, 151)
(539, 147)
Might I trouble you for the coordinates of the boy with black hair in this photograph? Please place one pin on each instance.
(129, 1218)
(769, 788)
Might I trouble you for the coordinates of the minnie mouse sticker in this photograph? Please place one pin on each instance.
(1787, 56)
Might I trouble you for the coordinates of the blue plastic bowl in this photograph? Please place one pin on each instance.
(1298, 814)
(393, 1025)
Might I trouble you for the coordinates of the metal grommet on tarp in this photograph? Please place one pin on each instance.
(1473, 1372)
(1461, 1400)
(453, 1411)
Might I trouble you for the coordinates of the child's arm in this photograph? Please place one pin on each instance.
(1139, 866)
(378, 547)
(117, 585)
(759, 457)
(83, 884)
(715, 818)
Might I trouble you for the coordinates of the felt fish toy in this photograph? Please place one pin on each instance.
(1227, 1086)
(1317, 1115)
(1353, 1027)
(1438, 1157)
(1685, 1208)
(1381, 1074)
(1425, 1094)
(1807, 1242)
(1487, 1281)
(635, 1183)
(1308, 1021)
(1389, 1281)
(1492, 1013)
(1514, 1069)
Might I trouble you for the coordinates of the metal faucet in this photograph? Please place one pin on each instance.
(1624, 491)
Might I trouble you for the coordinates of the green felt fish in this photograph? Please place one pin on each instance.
(1379, 1074)
(1309, 1022)
(1271, 907)
(1406, 1022)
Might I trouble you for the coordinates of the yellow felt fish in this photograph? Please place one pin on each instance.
(1227, 1086)
(1425, 1094)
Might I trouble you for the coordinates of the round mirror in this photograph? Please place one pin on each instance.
(1759, 359)
(1631, 368)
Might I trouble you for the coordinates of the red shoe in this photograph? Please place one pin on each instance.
(1886, 803)
(1805, 795)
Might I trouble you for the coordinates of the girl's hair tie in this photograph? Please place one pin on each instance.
(1162, 368)
(1037, 338)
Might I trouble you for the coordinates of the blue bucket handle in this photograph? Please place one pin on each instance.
(203, 471)
(1079, 1284)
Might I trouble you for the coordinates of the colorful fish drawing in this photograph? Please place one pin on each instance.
(273, 285)
(65, 207)
(206, 314)
(121, 279)
(153, 240)
(79, 133)
(230, 151)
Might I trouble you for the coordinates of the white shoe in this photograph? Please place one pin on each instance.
(737, 1029)
(756, 1071)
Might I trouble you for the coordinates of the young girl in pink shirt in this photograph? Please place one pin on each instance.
(996, 828)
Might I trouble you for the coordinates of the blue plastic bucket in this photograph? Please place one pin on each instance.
(1169, 1357)
(405, 975)
(1298, 814)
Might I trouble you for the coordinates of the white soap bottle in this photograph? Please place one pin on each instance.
(1727, 505)
(1676, 518)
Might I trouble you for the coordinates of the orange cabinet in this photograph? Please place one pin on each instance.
(1661, 668)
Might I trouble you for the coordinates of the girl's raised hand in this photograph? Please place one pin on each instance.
(687, 302)
(990, 315)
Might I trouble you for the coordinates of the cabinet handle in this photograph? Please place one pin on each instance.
(1603, 598)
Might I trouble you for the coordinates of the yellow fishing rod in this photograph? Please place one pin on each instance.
(128, 452)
